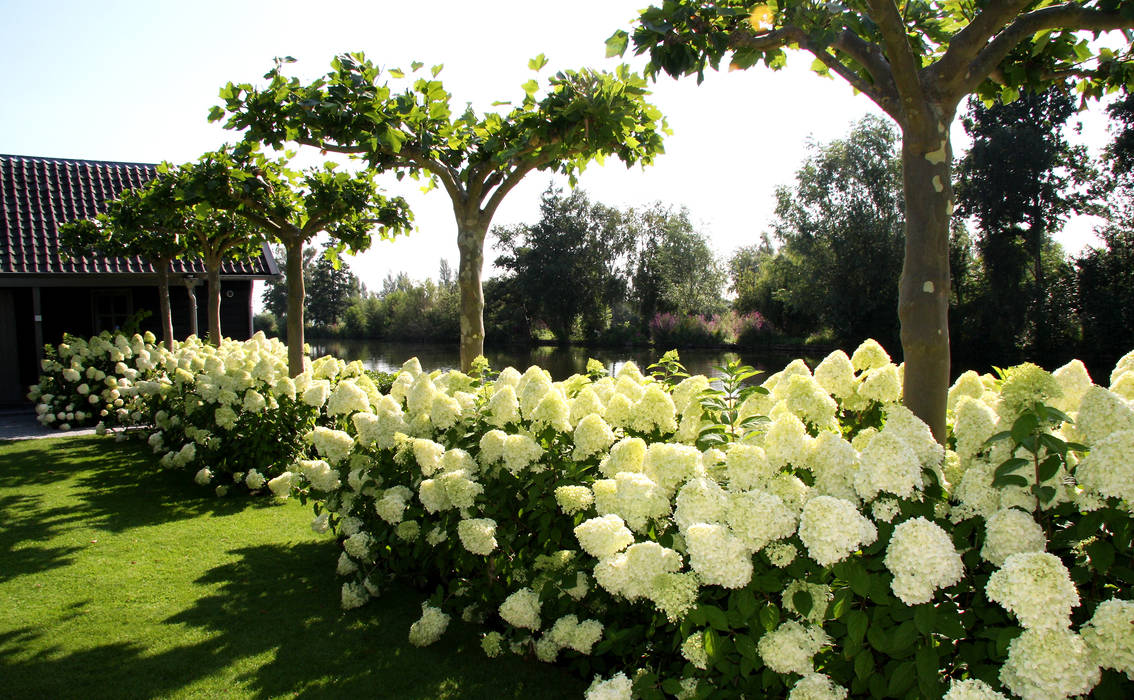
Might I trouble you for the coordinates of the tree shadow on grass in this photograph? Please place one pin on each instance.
(286, 599)
(118, 485)
(282, 603)
(27, 520)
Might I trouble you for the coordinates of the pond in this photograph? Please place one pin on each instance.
(562, 362)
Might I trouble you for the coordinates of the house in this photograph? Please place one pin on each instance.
(44, 294)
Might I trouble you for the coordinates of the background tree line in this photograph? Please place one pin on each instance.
(827, 270)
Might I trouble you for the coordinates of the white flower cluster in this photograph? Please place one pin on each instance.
(791, 647)
(429, 628)
(1035, 587)
(922, 558)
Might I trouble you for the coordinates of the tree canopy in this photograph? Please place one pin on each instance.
(916, 61)
(408, 126)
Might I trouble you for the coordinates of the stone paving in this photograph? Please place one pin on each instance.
(20, 424)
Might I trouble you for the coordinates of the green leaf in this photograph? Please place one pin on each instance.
(714, 616)
(712, 644)
(435, 70)
(925, 618)
(802, 602)
(672, 686)
(1101, 553)
(396, 72)
(864, 664)
(770, 617)
(745, 603)
(902, 679)
(903, 638)
(840, 604)
(746, 647)
(852, 572)
(1049, 467)
(1026, 424)
(997, 438)
(1009, 465)
(538, 62)
(531, 87)
(1010, 480)
(926, 662)
(857, 622)
(616, 44)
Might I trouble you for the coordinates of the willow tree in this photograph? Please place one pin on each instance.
(291, 208)
(916, 61)
(477, 158)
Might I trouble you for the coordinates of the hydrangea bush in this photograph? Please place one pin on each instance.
(807, 538)
(669, 536)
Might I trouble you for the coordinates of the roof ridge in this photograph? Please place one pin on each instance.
(53, 159)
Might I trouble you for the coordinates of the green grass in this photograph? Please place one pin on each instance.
(118, 580)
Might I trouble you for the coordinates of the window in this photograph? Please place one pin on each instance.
(111, 309)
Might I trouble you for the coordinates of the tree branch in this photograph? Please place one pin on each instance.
(872, 90)
(1069, 17)
(964, 47)
(904, 64)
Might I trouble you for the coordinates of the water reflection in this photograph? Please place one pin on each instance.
(562, 362)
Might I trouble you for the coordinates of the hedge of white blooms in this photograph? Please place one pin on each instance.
(669, 537)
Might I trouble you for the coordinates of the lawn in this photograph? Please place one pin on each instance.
(121, 580)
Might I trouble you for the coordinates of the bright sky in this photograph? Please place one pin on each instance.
(132, 80)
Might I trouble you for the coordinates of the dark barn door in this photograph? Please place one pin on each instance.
(10, 390)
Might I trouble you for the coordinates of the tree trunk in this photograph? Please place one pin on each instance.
(163, 303)
(190, 290)
(923, 296)
(470, 243)
(295, 295)
(212, 268)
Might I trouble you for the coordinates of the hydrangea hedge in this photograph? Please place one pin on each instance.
(806, 538)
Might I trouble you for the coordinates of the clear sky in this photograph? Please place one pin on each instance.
(132, 80)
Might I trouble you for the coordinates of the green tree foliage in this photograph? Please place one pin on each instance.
(570, 265)
(477, 159)
(841, 227)
(917, 62)
(675, 269)
(405, 310)
(1018, 181)
(144, 222)
(331, 289)
(292, 208)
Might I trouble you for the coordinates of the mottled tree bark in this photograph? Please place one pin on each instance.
(190, 290)
(295, 294)
(470, 243)
(923, 296)
(162, 265)
(212, 267)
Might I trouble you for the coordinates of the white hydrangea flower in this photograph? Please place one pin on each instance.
(832, 529)
(619, 411)
(335, 445)
(627, 455)
(569, 633)
(433, 496)
(655, 411)
(786, 441)
(888, 464)
(444, 411)
(633, 496)
(585, 403)
(833, 462)
(572, 499)
(718, 556)
(688, 391)
(478, 535)
(923, 559)
(674, 594)
(805, 398)
(747, 467)
(1011, 531)
(693, 649)
(254, 480)
(759, 517)
(670, 465)
(780, 554)
(974, 422)
(354, 595)
(631, 573)
(820, 595)
(428, 455)
(836, 375)
(504, 406)
(1101, 414)
(1110, 635)
(204, 476)
(902, 423)
(1050, 663)
(521, 609)
(358, 546)
(592, 436)
(791, 647)
(1035, 587)
(816, 686)
(519, 452)
(408, 530)
(603, 536)
(1109, 467)
(429, 628)
(492, 447)
(701, 500)
(881, 384)
(316, 393)
(869, 355)
(972, 689)
(281, 485)
(617, 687)
(346, 565)
(319, 474)
(391, 506)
